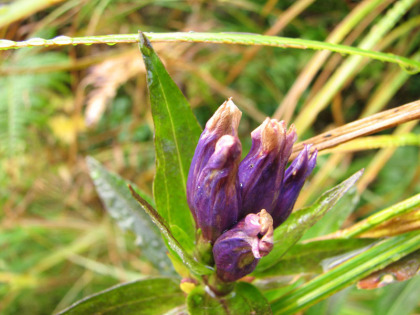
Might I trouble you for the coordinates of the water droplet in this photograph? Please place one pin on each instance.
(139, 241)
(410, 69)
(110, 44)
(36, 42)
(62, 40)
(4, 43)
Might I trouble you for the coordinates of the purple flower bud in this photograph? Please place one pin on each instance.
(217, 199)
(212, 186)
(237, 251)
(293, 181)
(261, 172)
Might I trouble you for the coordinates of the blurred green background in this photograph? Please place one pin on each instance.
(61, 104)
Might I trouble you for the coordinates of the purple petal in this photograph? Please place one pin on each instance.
(261, 172)
(237, 251)
(225, 121)
(294, 178)
(217, 199)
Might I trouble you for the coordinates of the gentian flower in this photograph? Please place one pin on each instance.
(236, 205)
(238, 250)
(213, 186)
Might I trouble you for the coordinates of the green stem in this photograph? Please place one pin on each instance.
(217, 38)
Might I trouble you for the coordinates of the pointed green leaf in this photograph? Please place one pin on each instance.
(335, 218)
(119, 203)
(193, 265)
(310, 258)
(176, 135)
(347, 273)
(148, 297)
(246, 299)
(287, 234)
(401, 270)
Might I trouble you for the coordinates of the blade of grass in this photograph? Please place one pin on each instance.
(20, 9)
(282, 21)
(380, 159)
(308, 115)
(380, 217)
(289, 102)
(347, 273)
(218, 38)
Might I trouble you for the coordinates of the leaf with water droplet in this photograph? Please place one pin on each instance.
(287, 234)
(119, 203)
(176, 135)
(194, 266)
(149, 296)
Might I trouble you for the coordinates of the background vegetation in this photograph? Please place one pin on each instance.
(61, 104)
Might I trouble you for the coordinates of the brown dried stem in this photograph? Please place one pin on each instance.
(375, 123)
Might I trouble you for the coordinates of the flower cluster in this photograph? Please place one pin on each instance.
(237, 204)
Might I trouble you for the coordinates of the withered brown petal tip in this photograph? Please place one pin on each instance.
(226, 118)
(272, 135)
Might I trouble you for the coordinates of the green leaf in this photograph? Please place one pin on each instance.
(151, 296)
(176, 135)
(246, 299)
(382, 216)
(399, 299)
(119, 203)
(347, 273)
(193, 265)
(401, 270)
(311, 257)
(335, 218)
(287, 234)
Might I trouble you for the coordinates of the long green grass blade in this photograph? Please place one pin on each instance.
(374, 220)
(348, 273)
(411, 66)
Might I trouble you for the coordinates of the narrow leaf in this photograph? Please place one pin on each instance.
(335, 218)
(176, 135)
(246, 299)
(399, 299)
(119, 203)
(309, 258)
(347, 273)
(401, 270)
(401, 224)
(148, 297)
(287, 234)
(382, 216)
(193, 265)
